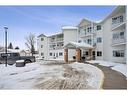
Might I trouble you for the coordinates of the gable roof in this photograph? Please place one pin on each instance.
(41, 35)
(74, 45)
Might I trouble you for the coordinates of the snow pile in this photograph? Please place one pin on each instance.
(122, 68)
(42, 72)
(12, 77)
(103, 63)
(96, 75)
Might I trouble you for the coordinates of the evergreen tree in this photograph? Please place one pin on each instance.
(10, 46)
(16, 47)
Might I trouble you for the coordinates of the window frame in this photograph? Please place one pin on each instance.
(118, 53)
(98, 27)
(60, 53)
(99, 53)
(99, 39)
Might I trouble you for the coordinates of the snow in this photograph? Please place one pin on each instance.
(12, 77)
(78, 45)
(103, 63)
(69, 27)
(96, 74)
(18, 61)
(122, 68)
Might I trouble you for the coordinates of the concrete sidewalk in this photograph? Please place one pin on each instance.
(113, 79)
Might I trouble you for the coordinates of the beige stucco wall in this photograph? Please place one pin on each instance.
(70, 35)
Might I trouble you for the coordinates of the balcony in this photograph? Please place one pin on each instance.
(58, 45)
(56, 40)
(87, 34)
(59, 40)
(118, 22)
(119, 26)
(119, 41)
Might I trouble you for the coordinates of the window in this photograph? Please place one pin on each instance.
(42, 39)
(122, 35)
(41, 46)
(86, 52)
(98, 27)
(118, 53)
(85, 31)
(84, 41)
(121, 18)
(79, 41)
(99, 53)
(89, 29)
(89, 41)
(42, 54)
(99, 40)
(117, 19)
(119, 35)
(60, 54)
(50, 54)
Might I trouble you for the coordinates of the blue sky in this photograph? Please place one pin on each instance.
(21, 20)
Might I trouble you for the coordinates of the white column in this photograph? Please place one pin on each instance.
(92, 33)
(126, 34)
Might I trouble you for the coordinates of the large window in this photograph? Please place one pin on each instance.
(118, 53)
(98, 27)
(99, 53)
(99, 40)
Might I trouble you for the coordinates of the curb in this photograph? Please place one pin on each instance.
(103, 77)
(102, 81)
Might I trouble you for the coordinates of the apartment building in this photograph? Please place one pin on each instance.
(51, 47)
(107, 37)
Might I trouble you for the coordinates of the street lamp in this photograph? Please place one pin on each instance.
(5, 46)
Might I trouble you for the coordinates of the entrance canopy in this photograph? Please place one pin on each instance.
(74, 45)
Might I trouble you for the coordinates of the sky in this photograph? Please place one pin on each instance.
(48, 20)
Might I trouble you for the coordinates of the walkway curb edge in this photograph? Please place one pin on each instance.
(102, 81)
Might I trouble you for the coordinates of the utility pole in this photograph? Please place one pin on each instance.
(5, 46)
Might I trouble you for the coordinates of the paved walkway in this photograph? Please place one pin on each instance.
(113, 79)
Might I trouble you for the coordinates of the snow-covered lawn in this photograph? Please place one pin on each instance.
(45, 74)
(103, 63)
(122, 68)
(12, 77)
(97, 75)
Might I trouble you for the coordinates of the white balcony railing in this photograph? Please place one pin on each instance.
(118, 41)
(118, 22)
(56, 40)
(57, 45)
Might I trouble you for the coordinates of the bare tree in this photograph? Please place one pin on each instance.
(30, 43)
